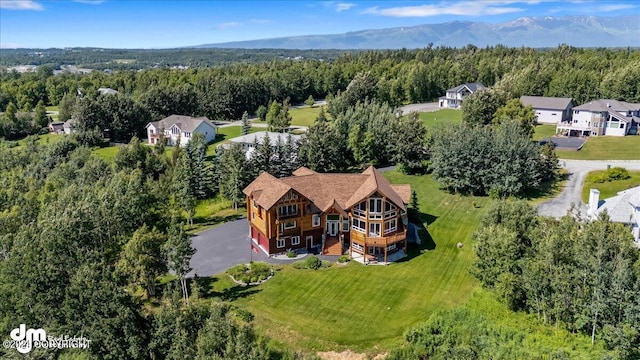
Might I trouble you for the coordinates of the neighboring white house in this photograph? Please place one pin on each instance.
(107, 91)
(623, 208)
(68, 126)
(549, 110)
(249, 141)
(454, 97)
(179, 129)
(602, 117)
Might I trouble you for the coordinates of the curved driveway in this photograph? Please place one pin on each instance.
(578, 170)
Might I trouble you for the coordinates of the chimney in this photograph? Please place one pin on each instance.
(608, 105)
(594, 198)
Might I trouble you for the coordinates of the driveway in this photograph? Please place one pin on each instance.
(565, 143)
(222, 247)
(424, 107)
(578, 170)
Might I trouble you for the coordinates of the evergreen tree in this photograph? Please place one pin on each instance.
(246, 124)
(196, 151)
(41, 115)
(233, 174)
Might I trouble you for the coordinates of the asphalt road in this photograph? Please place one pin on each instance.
(578, 170)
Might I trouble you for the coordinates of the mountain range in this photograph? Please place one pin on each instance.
(536, 32)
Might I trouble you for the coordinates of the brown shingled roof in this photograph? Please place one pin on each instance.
(341, 191)
(404, 191)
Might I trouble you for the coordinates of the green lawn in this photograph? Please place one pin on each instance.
(609, 189)
(444, 116)
(211, 212)
(369, 307)
(606, 148)
(543, 131)
(107, 153)
(304, 116)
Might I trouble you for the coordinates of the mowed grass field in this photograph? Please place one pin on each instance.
(543, 131)
(369, 307)
(441, 117)
(226, 133)
(609, 189)
(606, 148)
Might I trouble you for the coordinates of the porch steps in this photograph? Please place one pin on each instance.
(332, 247)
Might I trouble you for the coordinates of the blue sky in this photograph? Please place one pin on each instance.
(165, 23)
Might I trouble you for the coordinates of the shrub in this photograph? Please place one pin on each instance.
(617, 173)
(300, 264)
(312, 262)
(343, 259)
(325, 263)
(291, 254)
(255, 272)
(244, 315)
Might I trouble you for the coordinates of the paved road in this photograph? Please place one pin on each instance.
(424, 107)
(578, 170)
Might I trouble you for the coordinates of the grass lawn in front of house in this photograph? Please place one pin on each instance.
(606, 148)
(441, 117)
(611, 188)
(363, 307)
(543, 131)
(214, 211)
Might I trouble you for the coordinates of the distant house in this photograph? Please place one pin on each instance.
(549, 110)
(107, 91)
(454, 97)
(602, 117)
(360, 214)
(68, 126)
(623, 208)
(56, 127)
(249, 141)
(179, 129)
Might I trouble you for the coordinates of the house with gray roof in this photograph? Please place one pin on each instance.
(179, 129)
(454, 96)
(602, 117)
(549, 110)
(623, 208)
(250, 141)
(107, 91)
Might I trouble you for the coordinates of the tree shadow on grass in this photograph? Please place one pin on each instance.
(426, 241)
(236, 292)
(547, 189)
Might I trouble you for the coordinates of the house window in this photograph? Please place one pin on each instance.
(356, 247)
(358, 225)
(333, 217)
(175, 130)
(389, 210)
(280, 243)
(290, 196)
(253, 215)
(621, 125)
(345, 225)
(372, 250)
(295, 240)
(253, 202)
(553, 114)
(390, 226)
(309, 239)
(315, 220)
(287, 225)
(375, 205)
(187, 134)
(576, 111)
(167, 133)
(391, 247)
(288, 210)
(374, 229)
(360, 209)
(151, 131)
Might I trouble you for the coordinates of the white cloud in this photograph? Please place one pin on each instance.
(614, 7)
(344, 6)
(20, 5)
(227, 25)
(259, 21)
(461, 8)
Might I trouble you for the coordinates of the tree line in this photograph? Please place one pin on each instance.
(583, 276)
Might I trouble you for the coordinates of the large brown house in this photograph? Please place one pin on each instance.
(330, 212)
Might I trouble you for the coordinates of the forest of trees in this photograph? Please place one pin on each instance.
(584, 277)
(394, 76)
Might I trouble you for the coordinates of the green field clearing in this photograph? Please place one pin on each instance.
(609, 189)
(606, 148)
(363, 307)
(107, 153)
(444, 116)
(543, 131)
(305, 116)
(211, 212)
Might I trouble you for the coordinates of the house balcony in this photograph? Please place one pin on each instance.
(292, 216)
(363, 239)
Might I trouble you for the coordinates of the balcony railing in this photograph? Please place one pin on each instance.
(378, 241)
